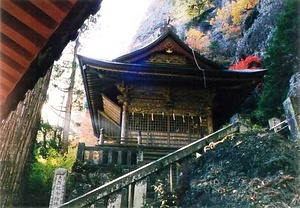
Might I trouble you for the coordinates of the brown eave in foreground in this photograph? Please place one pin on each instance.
(33, 35)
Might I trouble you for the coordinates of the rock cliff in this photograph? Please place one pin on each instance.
(254, 34)
(258, 27)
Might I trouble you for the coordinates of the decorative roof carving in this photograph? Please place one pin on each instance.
(167, 58)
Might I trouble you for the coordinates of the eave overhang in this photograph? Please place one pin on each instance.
(33, 35)
(129, 71)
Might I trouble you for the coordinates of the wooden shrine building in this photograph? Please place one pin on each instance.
(165, 92)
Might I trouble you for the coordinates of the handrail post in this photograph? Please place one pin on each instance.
(101, 137)
(140, 148)
(130, 196)
(124, 197)
(171, 177)
(139, 137)
(140, 154)
(80, 152)
(242, 127)
(140, 192)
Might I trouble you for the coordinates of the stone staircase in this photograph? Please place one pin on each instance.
(134, 188)
(151, 154)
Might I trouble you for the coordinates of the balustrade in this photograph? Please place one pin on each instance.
(107, 154)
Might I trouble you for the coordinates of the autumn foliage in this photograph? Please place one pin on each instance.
(231, 15)
(193, 38)
(197, 40)
(250, 62)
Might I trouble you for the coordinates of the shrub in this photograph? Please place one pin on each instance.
(47, 157)
(250, 62)
(281, 60)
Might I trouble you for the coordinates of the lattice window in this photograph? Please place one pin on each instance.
(198, 125)
(159, 123)
(179, 124)
(138, 121)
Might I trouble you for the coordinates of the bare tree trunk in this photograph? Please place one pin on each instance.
(67, 120)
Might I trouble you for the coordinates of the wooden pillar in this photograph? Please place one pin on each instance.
(209, 120)
(209, 112)
(189, 129)
(123, 123)
(149, 136)
(168, 129)
(124, 100)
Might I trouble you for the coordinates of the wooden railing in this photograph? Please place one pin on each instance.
(120, 154)
(115, 154)
(130, 190)
(153, 138)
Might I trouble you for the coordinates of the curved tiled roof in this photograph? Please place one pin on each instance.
(168, 33)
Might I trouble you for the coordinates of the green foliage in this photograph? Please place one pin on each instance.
(282, 59)
(42, 170)
(213, 45)
(192, 9)
(196, 7)
(48, 137)
(47, 157)
(164, 197)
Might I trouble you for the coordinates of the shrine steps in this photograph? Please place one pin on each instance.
(151, 154)
(130, 190)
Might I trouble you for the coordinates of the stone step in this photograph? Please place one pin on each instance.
(154, 153)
